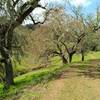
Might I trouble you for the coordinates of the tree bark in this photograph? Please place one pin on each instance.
(64, 60)
(9, 80)
(70, 57)
(82, 54)
(9, 72)
(5, 50)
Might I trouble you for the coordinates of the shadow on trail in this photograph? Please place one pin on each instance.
(90, 70)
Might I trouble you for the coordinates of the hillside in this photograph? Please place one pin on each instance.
(76, 81)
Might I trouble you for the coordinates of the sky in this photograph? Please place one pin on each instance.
(89, 6)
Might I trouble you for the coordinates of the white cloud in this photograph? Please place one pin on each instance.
(43, 2)
(37, 13)
(81, 2)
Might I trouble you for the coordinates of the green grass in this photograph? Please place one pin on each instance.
(26, 65)
(43, 75)
(88, 56)
(32, 78)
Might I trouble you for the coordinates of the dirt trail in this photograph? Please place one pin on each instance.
(54, 90)
(74, 85)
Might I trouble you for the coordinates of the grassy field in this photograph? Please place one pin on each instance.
(76, 81)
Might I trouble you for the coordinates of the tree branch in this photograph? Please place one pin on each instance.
(25, 12)
(15, 2)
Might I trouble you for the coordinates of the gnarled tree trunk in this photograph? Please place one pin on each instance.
(5, 50)
(8, 68)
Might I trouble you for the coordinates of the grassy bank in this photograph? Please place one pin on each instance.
(43, 75)
(32, 78)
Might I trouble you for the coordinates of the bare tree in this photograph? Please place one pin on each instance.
(14, 13)
(57, 29)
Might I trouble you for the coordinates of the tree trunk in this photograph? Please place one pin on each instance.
(5, 50)
(70, 57)
(64, 60)
(9, 80)
(9, 72)
(82, 54)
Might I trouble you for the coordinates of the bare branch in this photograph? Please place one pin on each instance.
(15, 2)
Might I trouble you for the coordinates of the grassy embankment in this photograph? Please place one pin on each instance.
(43, 75)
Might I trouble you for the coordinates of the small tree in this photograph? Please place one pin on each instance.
(57, 28)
